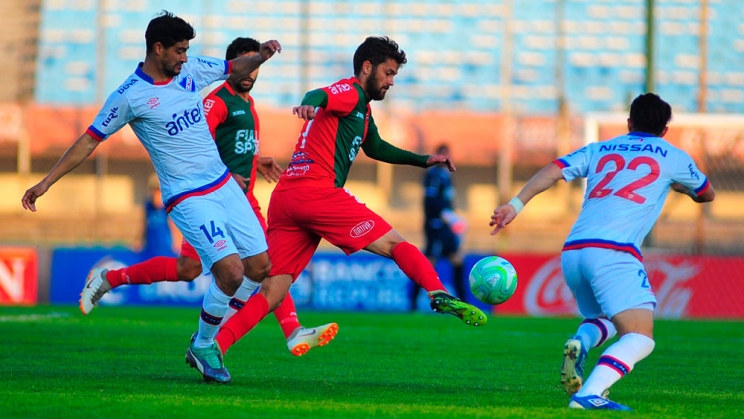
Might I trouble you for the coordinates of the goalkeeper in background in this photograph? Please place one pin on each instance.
(443, 228)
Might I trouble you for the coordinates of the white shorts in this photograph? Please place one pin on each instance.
(606, 282)
(219, 224)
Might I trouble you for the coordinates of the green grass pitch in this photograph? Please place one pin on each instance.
(129, 363)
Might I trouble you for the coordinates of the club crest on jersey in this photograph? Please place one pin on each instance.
(188, 83)
(183, 121)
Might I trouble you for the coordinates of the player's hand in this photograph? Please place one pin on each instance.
(269, 168)
(29, 198)
(306, 112)
(242, 181)
(269, 48)
(441, 159)
(502, 216)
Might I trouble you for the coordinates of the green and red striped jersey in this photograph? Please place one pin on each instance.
(233, 122)
(329, 143)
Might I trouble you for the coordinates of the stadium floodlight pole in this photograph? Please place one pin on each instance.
(100, 82)
(703, 47)
(563, 145)
(650, 47)
(702, 210)
(505, 163)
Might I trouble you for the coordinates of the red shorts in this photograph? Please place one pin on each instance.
(188, 250)
(300, 217)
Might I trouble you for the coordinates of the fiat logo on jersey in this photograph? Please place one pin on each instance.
(362, 228)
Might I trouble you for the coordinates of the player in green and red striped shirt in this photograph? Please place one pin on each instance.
(310, 202)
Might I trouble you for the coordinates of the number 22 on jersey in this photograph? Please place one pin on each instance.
(628, 191)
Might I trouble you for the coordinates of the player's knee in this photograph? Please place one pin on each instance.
(257, 268)
(275, 289)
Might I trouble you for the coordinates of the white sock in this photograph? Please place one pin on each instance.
(595, 332)
(617, 361)
(214, 308)
(247, 288)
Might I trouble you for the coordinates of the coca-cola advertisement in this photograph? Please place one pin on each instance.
(685, 286)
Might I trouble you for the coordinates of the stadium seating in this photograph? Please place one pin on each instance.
(457, 50)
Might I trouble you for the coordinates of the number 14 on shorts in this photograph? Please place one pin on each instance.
(212, 232)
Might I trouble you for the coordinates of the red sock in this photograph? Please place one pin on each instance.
(254, 310)
(414, 264)
(286, 315)
(157, 269)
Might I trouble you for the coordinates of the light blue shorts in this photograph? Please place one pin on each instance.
(606, 282)
(219, 224)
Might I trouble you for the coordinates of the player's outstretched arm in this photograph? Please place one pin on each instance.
(544, 179)
(76, 154)
(707, 196)
(243, 66)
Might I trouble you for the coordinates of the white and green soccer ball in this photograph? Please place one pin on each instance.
(493, 280)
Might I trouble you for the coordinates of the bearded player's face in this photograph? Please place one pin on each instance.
(381, 79)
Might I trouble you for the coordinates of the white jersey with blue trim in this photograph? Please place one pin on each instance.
(628, 179)
(168, 118)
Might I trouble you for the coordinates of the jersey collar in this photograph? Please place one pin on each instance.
(354, 80)
(641, 134)
(141, 74)
(230, 90)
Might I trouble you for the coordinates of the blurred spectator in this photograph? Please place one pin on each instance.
(442, 226)
(158, 233)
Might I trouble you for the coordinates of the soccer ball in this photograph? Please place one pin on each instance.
(493, 280)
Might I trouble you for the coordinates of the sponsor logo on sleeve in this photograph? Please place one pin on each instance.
(693, 171)
(339, 88)
(127, 85)
(208, 62)
(362, 228)
(111, 116)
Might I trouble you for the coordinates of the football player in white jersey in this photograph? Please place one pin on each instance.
(628, 178)
(162, 103)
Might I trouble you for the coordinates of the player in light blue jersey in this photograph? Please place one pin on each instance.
(628, 179)
(162, 103)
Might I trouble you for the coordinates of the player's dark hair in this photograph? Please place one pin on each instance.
(241, 46)
(377, 50)
(441, 148)
(168, 30)
(649, 113)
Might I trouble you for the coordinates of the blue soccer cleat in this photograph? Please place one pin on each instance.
(572, 371)
(208, 361)
(594, 402)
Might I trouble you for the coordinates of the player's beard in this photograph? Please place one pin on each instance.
(239, 85)
(172, 71)
(373, 87)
